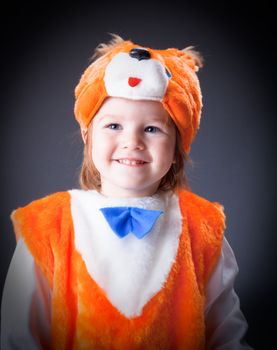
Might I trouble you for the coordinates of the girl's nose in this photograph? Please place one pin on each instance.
(133, 141)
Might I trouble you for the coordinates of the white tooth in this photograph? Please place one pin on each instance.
(130, 162)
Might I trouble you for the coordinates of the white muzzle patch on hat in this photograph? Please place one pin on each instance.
(137, 79)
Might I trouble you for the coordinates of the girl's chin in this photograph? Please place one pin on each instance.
(128, 191)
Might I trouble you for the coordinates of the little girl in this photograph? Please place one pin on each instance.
(134, 259)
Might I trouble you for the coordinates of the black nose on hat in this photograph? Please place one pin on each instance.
(140, 54)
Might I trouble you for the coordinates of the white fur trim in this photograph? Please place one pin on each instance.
(152, 73)
(131, 271)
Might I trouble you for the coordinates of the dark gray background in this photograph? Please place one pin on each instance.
(45, 50)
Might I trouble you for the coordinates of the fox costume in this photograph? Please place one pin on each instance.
(150, 292)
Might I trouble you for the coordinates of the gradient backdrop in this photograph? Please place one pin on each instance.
(45, 50)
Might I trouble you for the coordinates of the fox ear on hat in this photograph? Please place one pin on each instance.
(193, 58)
(116, 43)
(100, 50)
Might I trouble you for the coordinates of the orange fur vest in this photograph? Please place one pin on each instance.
(82, 316)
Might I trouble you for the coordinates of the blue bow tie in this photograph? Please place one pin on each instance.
(123, 220)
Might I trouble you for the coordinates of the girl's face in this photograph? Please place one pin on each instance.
(133, 145)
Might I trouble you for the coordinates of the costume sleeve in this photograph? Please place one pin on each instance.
(225, 324)
(26, 304)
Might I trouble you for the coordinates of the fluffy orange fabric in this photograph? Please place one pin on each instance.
(83, 317)
(182, 100)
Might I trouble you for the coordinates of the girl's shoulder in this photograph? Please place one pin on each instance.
(202, 214)
(45, 204)
(40, 213)
(192, 202)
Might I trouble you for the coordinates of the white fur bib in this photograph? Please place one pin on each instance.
(130, 270)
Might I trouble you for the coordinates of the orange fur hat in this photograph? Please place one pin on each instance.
(127, 70)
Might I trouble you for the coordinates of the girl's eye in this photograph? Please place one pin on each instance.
(152, 129)
(114, 126)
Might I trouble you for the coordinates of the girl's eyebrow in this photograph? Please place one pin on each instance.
(104, 116)
(150, 119)
(157, 120)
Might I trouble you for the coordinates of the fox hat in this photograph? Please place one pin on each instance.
(128, 70)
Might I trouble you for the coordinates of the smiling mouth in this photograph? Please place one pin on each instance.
(131, 162)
